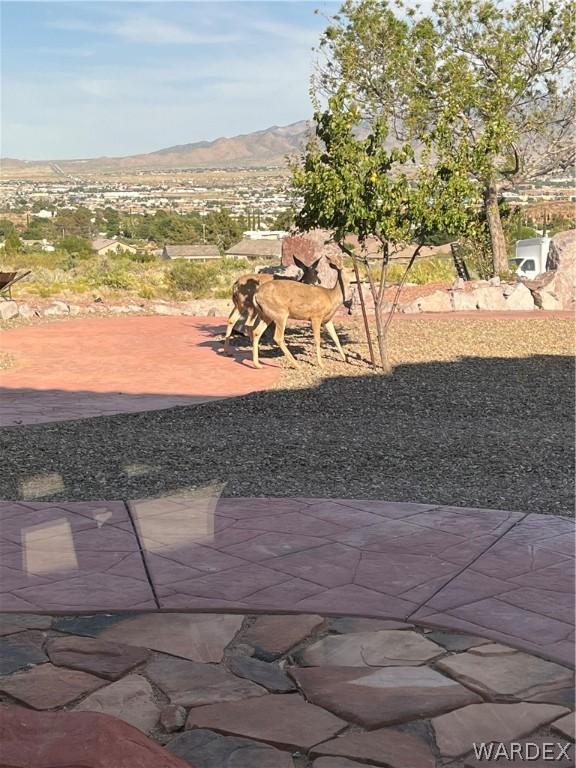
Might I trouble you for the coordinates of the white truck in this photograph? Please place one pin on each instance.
(531, 257)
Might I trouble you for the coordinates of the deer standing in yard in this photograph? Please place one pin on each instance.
(278, 301)
(246, 286)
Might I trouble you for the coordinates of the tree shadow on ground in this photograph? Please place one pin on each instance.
(241, 346)
(482, 432)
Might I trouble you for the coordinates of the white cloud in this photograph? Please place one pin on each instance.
(146, 29)
(296, 35)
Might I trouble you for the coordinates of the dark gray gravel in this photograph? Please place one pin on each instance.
(481, 432)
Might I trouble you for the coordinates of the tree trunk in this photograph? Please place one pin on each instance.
(499, 250)
(380, 334)
(364, 314)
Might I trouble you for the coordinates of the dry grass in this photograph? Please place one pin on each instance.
(420, 341)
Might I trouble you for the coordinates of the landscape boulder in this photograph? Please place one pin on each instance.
(519, 297)
(439, 301)
(556, 288)
(57, 309)
(8, 310)
(88, 739)
(489, 297)
(26, 311)
(463, 301)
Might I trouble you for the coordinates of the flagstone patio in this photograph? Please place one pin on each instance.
(174, 690)
(506, 576)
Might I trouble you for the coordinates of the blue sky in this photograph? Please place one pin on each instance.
(84, 79)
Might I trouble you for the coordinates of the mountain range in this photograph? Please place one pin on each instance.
(251, 150)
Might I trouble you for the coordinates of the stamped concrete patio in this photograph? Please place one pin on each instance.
(71, 370)
(506, 576)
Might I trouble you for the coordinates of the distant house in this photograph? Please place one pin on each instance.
(102, 246)
(256, 249)
(42, 245)
(264, 234)
(191, 252)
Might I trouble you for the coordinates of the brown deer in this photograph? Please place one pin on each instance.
(246, 286)
(276, 302)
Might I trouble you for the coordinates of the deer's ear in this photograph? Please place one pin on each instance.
(300, 264)
(315, 263)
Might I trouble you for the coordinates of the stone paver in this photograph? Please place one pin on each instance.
(91, 625)
(492, 574)
(172, 717)
(506, 675)
(382, 696)
(21, 651)
(109, 660)
(242, 712)
(455, 641)
(198, 638)
(387, 648)
(457, 731)
(284, 720)
(62, 739)
(193, 684)
(349, 624)
(566, 726)
(339, 762)
(207, 749)
(11, 623)
(47, 686)
(385, 747)
(166, 361)
(271, 636)
(269, 676)
(130, 699)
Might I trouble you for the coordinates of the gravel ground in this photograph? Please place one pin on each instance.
(477, 413)
(6, 360)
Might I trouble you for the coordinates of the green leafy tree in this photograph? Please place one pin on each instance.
(6, 226)
(223, 229)
(12, 243)
(353, 185)
(39, 229)
(487, 80)
(74, 244)
(284, 220)
(74, 222)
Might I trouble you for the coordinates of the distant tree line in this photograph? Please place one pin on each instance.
(76, 228)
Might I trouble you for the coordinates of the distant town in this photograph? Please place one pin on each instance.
(264, 192)
(258, 194)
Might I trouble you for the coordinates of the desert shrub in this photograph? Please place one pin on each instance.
(75, 245)
(196, 279)
(113, 273)
(433, 270)
(36, 259)
(208, 279)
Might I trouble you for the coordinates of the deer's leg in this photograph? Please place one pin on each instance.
(279, 339)
(232, 320)
(316, 325)
(334, 336)
(250, 320)
(256, 333)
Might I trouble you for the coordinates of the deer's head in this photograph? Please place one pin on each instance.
(309, 273)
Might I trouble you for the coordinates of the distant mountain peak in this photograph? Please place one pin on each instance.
(266, 147)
